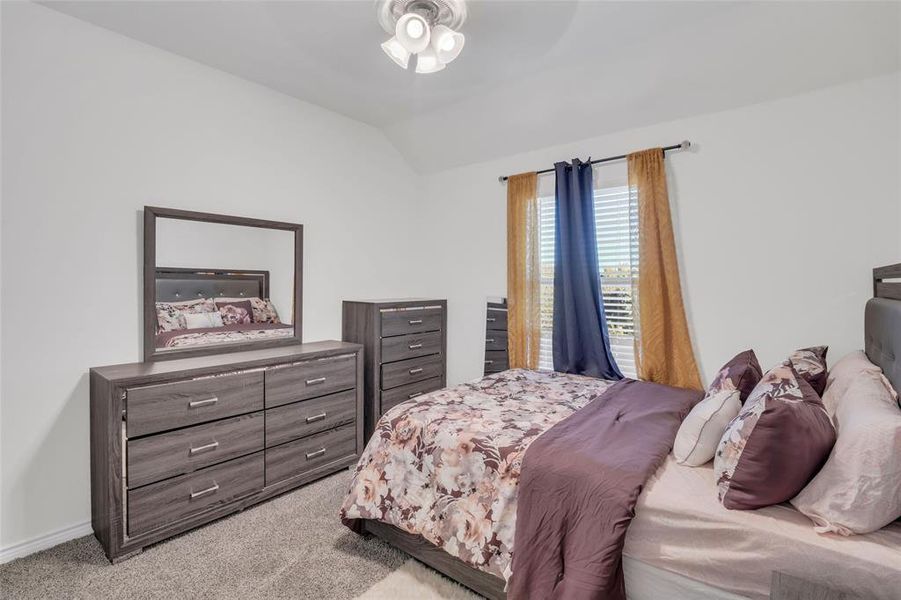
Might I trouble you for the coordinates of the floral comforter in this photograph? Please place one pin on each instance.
(446, 466)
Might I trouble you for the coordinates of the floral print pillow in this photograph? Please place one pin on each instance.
(810, 363)
(263, 309)
(775, 445)
(741, 373)
(235, 313)
(170, 315)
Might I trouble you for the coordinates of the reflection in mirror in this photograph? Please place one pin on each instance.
(220, 284)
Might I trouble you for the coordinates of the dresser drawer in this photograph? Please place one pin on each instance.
(162, 503)
(410, 346)
(392, 398)
(161, 456)
(171, 405)
(496, 361)
(290, 383)
(496, 340)
(306, 454)
(301, 419)
(402, 322)
(496, 320)
(408, 371)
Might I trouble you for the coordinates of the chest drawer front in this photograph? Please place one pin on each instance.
(161, 456)
(291, 383)
(393, 397)
(496, 320)
(157, 408)
(162, 503)
(309, 453)
(410, 346)
(496, 361)
(403, 322)
(409, 371)
(496, 340)
(301, 419)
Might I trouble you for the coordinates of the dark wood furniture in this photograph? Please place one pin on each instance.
(151, 214)
(496, 359)
(885, 282)
(179, 443)
(404, 348)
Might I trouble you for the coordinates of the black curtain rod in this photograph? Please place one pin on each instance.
(685, 145)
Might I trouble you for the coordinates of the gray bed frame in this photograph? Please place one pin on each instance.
(882, 333)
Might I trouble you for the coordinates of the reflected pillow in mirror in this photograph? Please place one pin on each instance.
(235, 313)
(263, 309)
(170, 315)
(203, 320)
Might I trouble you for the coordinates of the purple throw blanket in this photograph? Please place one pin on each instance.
(579, 484)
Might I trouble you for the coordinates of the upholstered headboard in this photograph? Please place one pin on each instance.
(175, 284)
(882, 323)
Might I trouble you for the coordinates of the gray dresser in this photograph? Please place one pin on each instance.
(178, 443)
(404, 349)
(496, 359)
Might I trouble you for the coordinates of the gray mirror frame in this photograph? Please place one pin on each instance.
(151, 214)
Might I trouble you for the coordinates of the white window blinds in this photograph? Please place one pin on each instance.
(616, 220)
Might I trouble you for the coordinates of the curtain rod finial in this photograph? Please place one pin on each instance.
(686, 144)
(502, 179)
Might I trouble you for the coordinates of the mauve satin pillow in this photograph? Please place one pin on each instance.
(775, 445)
(810, 363)
(741, 373)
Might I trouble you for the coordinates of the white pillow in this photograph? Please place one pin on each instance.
(701, 431)
(842, 374)
(203, 320)
(858, 490)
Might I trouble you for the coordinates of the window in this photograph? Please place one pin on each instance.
(616, 220)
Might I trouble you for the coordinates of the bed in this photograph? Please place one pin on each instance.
(681, 542)
(174, 284)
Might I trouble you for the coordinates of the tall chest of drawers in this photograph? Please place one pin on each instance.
(496, 359)
(404, 347)
(179, 443)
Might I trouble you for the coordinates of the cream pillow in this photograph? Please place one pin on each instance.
(842, 374)
(700, 432)
(858, 490)
(202, 320)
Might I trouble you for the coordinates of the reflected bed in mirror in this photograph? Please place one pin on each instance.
(218, 283)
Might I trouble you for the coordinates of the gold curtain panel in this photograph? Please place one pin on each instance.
(523, 271)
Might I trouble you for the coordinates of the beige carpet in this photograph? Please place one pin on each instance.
(290, 547)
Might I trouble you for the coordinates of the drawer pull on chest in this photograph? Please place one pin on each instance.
(489, 341)
(415, 321)
(491, 319)
(415, 346)
(210, 490)
(413, 395)
(204, 448)
(315, 418)
(416, 371)
(199, 403)
(316, 454)
(489, 362)
(316, 381)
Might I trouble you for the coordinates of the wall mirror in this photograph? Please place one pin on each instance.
(219, 283)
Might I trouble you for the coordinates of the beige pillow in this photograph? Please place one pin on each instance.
(700, 432)
(202, 320)
(842, 374)
(858, 490)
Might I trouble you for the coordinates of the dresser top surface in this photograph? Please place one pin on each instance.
(234, 360)
(398, 301)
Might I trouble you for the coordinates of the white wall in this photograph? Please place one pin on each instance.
(95, 126)
(781, 210)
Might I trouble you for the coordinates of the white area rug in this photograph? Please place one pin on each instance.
(415, 581)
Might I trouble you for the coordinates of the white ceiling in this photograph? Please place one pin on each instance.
(533, 73)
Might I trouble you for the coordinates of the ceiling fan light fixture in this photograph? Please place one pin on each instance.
(412, 32)
(447, 43)
(427, 62)
(396, 52)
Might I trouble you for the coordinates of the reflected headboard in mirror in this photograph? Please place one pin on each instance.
(219, 283)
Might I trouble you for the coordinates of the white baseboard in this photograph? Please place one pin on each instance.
(42, 542)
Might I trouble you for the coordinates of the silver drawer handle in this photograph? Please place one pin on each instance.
(416, 371)
(489, 341)
(315, 418)
(491, 319)
(415, 346)
(317, 454)
(315, 381)
(489, 362)
(203, 448)
(199, 403)
(415, 321)
(210, 490)
(413, 395)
